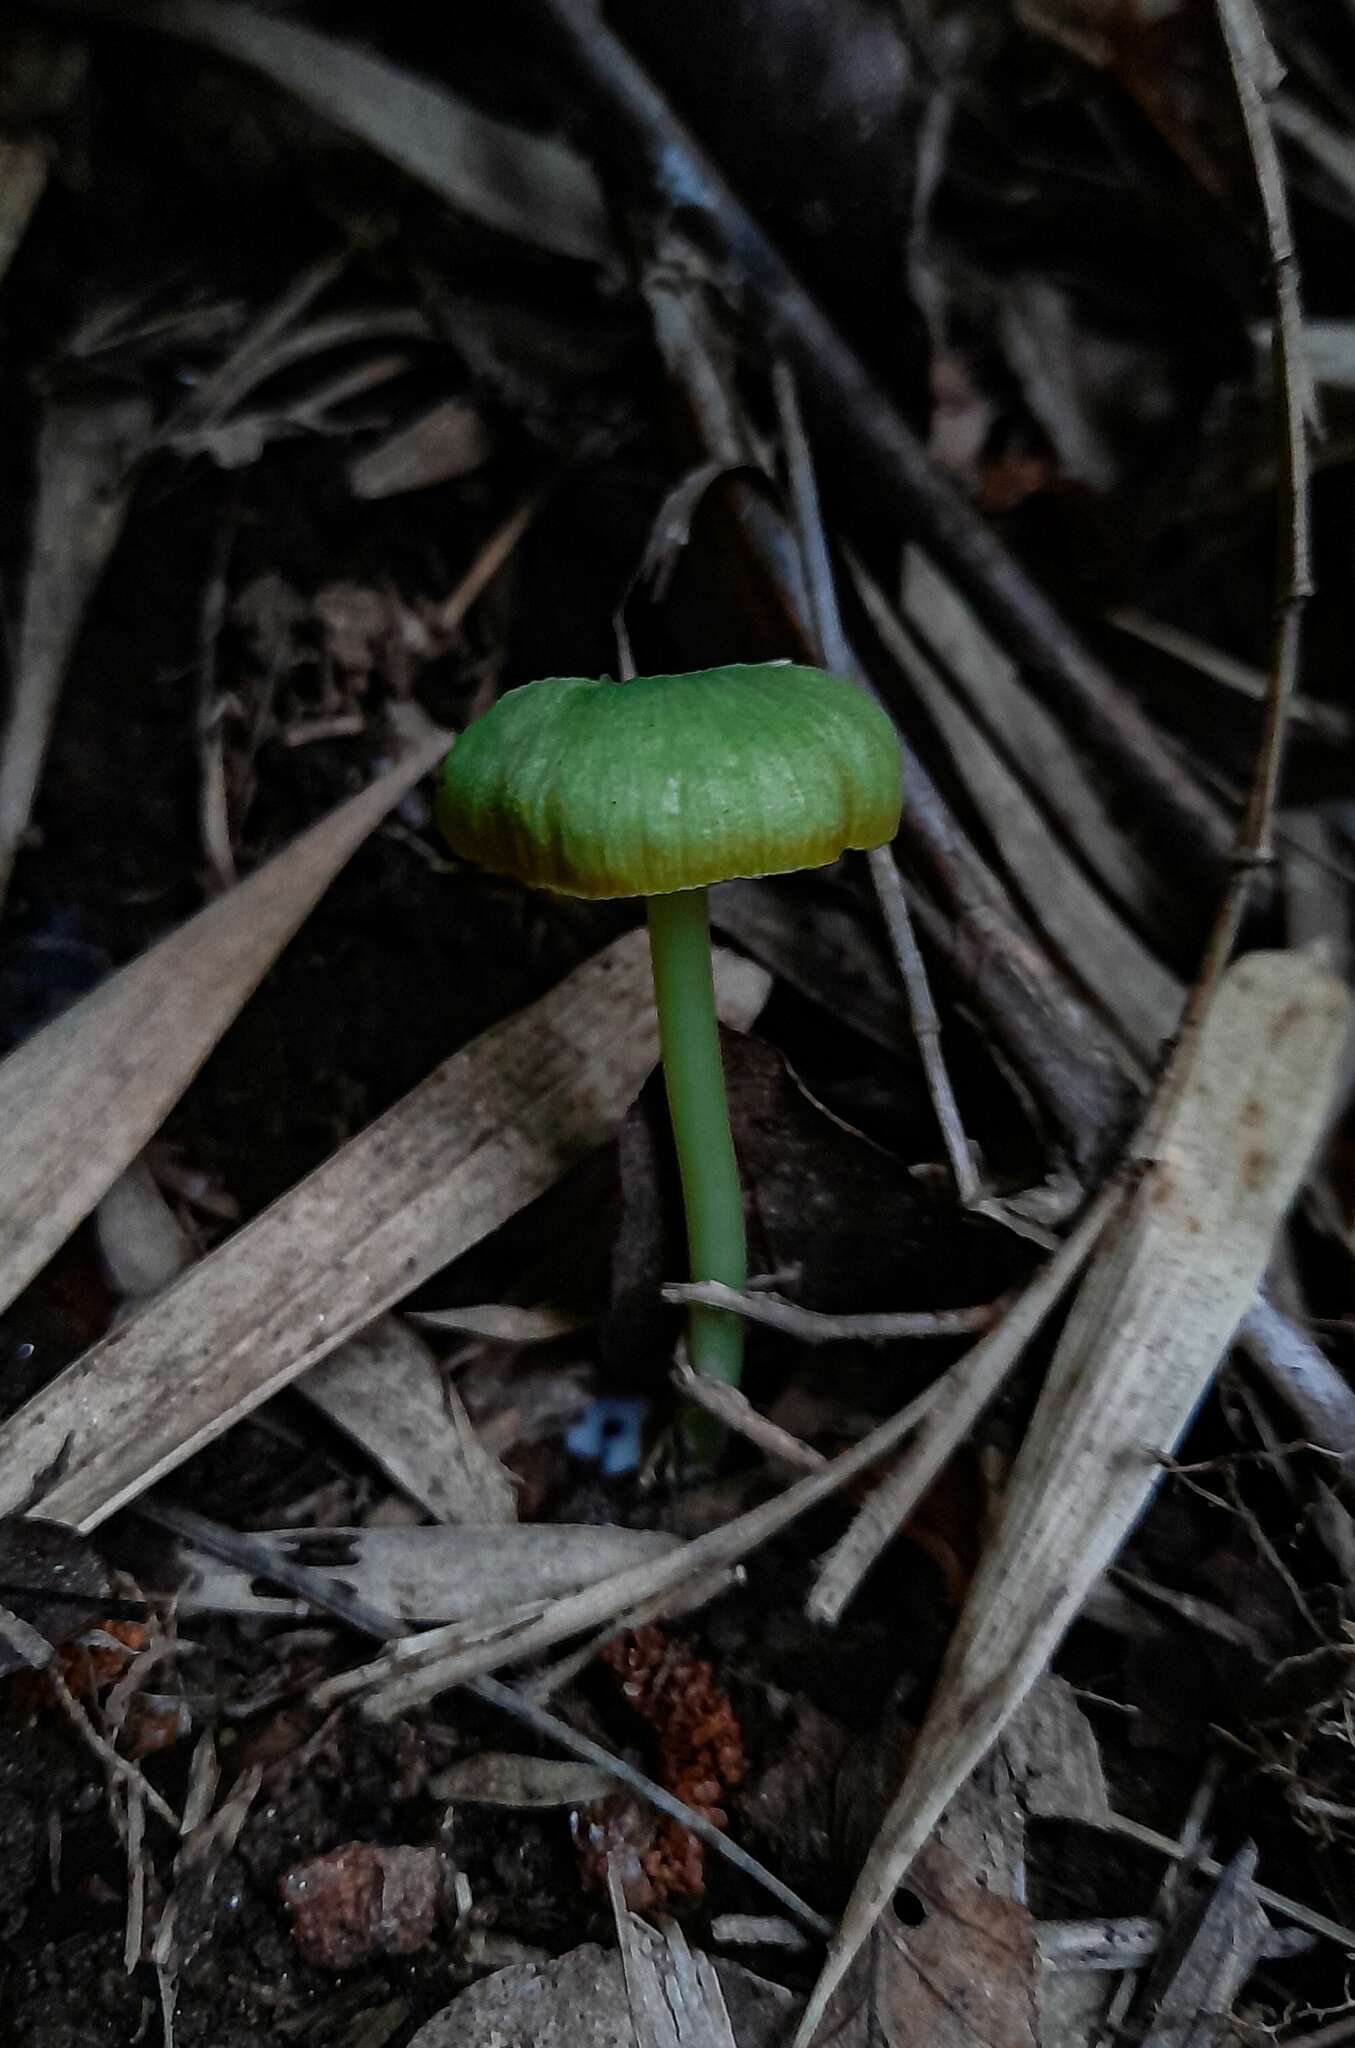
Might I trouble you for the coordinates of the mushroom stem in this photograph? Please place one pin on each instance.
(689, 1039)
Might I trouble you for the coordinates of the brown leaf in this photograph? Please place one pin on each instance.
(955, 1966)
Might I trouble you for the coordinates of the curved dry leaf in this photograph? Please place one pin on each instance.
(1153, 1317)
(525, 185)
(581, 2000)
(488, 1131)
(80, 1099)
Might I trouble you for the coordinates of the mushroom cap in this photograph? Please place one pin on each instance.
(671, 782)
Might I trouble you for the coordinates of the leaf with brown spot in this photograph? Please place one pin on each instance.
(964, 1975)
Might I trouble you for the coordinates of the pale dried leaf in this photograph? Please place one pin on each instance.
(85, 452)
(1043, 346)
(501, 1320)
(425, 1575)
(580, 2001)
(674, 1994)
(449, 440)
(522, 184)
(1204, 1984)
(1328, 143)
(1144, 1337)
(43, 71)
(488, 1487)
(1053, 1754)
(79, 1100)
(23, 179)
(141, 1242)
(498, 1779)
(383, 1389)
(486, 1133)
(1317, 896)
(967, 1971)
(1131, 986)
(757, 1930)
(1331, 721)
(1037, 745)
(1331, 351)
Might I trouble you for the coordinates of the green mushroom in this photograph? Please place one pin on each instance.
(656, 788)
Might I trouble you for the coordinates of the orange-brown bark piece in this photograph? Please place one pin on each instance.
(699, 1756)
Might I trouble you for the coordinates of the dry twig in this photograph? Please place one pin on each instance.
(835, 654)
(1248, 59)
(334, 1597)
(736, 1412)
(1059, 1046)
(415, 1670)
(813, 1326)
(119, 1767)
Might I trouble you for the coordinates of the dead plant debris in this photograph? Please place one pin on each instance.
(365, 1631)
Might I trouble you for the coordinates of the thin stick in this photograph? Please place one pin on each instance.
(1279, 1902)
(334, 1597)
(446, 620)
(1302, 1375)
(555, 1730)
(118, 1766)
(1241, 28)
(836, 654)
(1334, 2036)
(421, 1666)
(813, 1326)
(1243, 38)
(969, 1387)
(884, 875)
(737, 1412)
(24, 1640)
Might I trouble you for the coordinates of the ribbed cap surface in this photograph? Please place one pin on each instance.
(671, 782)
